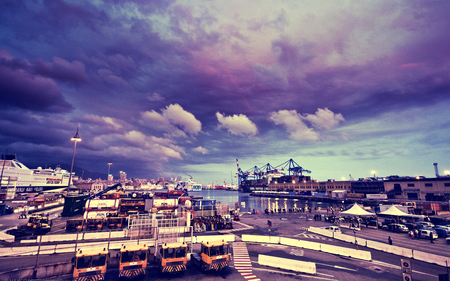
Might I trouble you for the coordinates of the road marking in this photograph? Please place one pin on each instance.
(398, 267)
(242, 261)
(312, 236)
(298, 274)
(337, 267)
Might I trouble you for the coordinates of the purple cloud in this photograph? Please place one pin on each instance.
(25, 90)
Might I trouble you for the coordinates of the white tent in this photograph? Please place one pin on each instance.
(394, 211)
(356, 210)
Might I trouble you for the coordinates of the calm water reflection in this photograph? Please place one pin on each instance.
(260, 203)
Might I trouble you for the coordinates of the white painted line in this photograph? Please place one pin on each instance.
(338, 267)
(295, 274)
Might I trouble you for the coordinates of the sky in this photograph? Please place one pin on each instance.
(184, 88)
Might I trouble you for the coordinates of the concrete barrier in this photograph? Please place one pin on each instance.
(6, 237)
(347, 252)
(431, 258)
(205, 238)
(42, 272)
(61, 237)
(300, 243)
(260, 239)
(350, 238)
(54, 270)
(294, 265)
(322, 231)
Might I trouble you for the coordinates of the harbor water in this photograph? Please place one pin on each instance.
(248, 203)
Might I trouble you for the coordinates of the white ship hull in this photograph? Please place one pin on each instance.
(28, 180)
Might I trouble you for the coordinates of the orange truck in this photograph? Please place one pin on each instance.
(133, 260)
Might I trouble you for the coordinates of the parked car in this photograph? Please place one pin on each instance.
(425, 233)
(376, 223)
(396, 227)
(442, 231)
(333, 228)
(439, 220)
(424, 224)
(411, 225)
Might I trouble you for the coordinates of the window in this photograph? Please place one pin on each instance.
(447, 184)
(410, 185)
(428, 184)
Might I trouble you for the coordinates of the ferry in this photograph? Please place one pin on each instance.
(15, 175)
(190, 185)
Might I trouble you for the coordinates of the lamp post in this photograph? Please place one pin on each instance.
(109, 167)
(75, 139)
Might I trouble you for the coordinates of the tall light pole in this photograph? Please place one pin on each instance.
(109, 167)
(75, 139)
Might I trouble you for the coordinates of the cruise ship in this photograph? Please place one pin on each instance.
(15, 174)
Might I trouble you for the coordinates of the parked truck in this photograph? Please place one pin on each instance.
(90, 264)
(172, 257)
(94, 223)
(116, 222)
(74, 225)
(133, 260)
(39, 224)
(213, 256)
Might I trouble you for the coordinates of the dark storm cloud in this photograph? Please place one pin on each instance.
(61, 70)
(62, 15)
(25, 90)
(26, 127)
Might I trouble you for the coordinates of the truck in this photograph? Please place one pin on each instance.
(39, 224)
(214, 255)
(90, 264)
(94, 223)
(74, 225)
(133, 260)
(172, 257)
(115, 222)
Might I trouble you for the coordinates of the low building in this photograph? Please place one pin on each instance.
(301, 184)
(418, 188)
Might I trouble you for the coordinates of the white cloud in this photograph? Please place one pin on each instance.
(173, 120)
(299, 130)
(238, 125)
(324, 119)
(201, 150)
(178, 116)
(135, 138)
(294, 124)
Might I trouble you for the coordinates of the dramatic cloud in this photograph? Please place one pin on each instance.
(299, 130)
(293, 122)
(238, 125)
(324, 119)
(61, 70)
(22, 88)
(173, 120)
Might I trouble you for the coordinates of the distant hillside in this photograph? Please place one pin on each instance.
(79, 172)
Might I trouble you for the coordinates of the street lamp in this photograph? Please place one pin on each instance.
(75, 139)
(109, 167)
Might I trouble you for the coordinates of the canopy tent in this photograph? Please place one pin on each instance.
(356, 210)
(394, 211)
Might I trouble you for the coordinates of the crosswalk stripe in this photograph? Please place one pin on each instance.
(242, 262)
